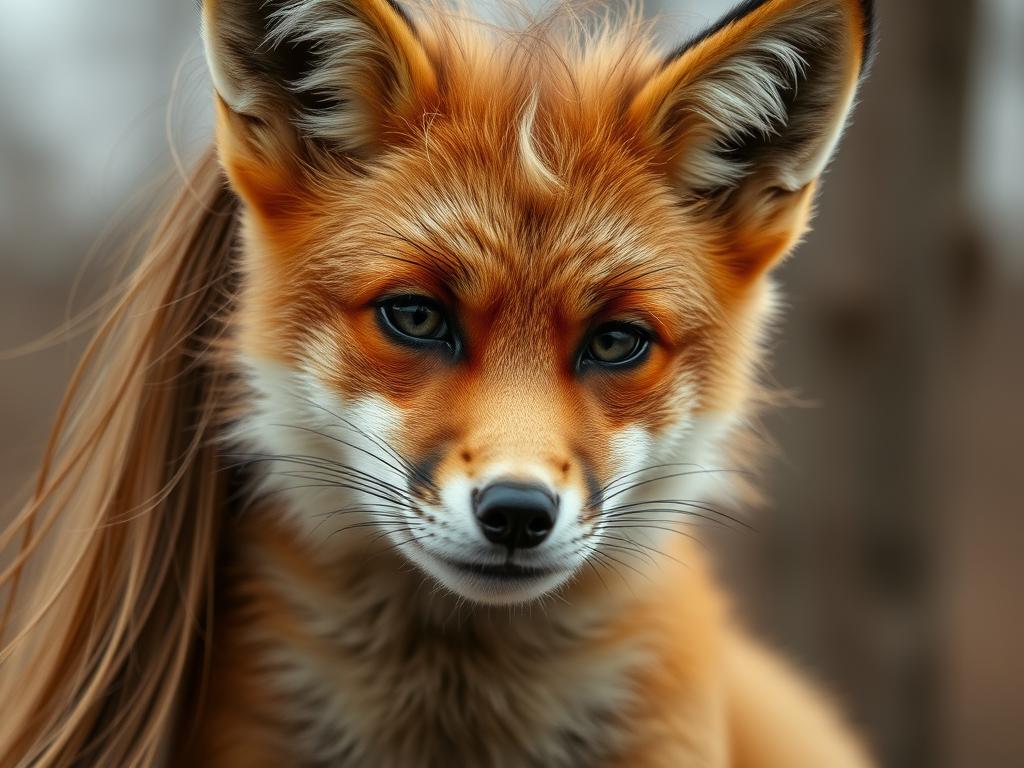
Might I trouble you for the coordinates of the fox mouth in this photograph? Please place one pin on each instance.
(505, 570)
(501, 583)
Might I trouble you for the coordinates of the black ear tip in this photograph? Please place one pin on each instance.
(737, 12)
(870, 30)
(749, 6)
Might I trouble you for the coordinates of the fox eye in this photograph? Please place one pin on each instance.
(616, 344)
(415, 318)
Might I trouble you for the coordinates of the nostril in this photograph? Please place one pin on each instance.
(539, 525)
(495, 522)
(515, 514)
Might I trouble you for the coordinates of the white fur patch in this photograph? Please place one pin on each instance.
(665, 484)
(328, 459)
(744, 96)
(348, 51)
(349, 56)
(533, 164)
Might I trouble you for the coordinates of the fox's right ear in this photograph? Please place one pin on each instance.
(746, 116)
(299, 80)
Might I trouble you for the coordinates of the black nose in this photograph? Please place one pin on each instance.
(516, 514)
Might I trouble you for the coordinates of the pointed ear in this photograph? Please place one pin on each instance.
(747, 115)
(300, 80)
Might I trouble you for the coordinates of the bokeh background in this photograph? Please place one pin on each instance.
(888, 559)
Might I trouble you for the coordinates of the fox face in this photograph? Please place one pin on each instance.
(504, 292)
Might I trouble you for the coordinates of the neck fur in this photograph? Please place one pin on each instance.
(368, 662)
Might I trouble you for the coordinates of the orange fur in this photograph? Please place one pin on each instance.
(536, 185)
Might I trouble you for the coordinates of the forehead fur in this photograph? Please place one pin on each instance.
(523, 171)
(521, 189)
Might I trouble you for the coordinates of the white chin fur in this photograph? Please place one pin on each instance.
(486, 590)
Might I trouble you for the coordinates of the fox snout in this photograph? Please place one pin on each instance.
(509, 509)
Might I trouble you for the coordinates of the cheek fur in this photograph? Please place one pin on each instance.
(655, 396)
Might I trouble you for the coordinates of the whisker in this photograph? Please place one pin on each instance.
(625, 565)
(346, 443)
(396, 545)
(644, 546)
(326, 484)
(370, 509)
(713, 515)
(597, 573)
(627, 544)
(380, 519)
(333, 469)
(369, 524)
(666, 528)
(379, 442)
(660, 478)
(665, 465)
(598, 557)
(328, 464)
(346, 484)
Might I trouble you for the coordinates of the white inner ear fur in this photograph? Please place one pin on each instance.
(349, 55)
(348, 51)
(744, 97)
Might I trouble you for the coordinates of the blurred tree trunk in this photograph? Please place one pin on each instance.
(844, 572)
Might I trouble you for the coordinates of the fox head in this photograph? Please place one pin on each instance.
(494, 281)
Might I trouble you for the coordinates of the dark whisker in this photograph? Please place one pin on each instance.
(605, 562)
(348, 444)
(625, 565)
(380, 525)
(370, 509)
(648, 547)
(325, 484)
(347, 484)
(623, 476)
(713, 514)
(328, 464)
(400, 544)
(626, 543)
(699, 470)
(380, 443)
(345, 474)
(597, 573)
(333, 469)
(666, 528)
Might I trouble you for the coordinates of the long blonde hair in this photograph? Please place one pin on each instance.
(115, 549)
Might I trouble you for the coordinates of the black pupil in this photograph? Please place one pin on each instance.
(418, 315)
(612, 346)
(419, 320)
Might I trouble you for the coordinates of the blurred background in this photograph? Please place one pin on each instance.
(888, 559)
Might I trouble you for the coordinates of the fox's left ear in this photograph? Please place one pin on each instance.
(303, 81)
(747, 115)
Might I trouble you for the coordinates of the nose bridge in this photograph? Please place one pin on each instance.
(520, 419)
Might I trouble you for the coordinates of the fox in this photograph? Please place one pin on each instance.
(396, 446)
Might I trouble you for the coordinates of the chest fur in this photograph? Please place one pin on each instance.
(372, 681)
